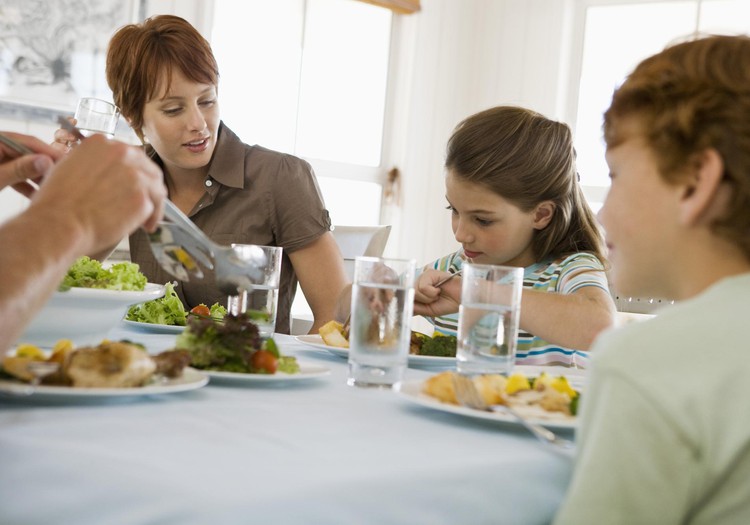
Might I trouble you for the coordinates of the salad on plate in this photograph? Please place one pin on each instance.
(232, 344)
(169, 310)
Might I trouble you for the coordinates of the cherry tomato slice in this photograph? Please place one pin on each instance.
(201, 310)
(264, 360)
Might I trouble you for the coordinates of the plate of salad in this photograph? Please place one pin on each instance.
(90, 301)
(232, 348)
(304, 371)
(167, 314)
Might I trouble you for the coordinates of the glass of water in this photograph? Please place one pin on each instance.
(94, 115)
(262, 302)
(488, 319)
(380, 325)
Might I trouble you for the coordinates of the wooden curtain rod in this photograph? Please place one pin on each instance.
(404, 7)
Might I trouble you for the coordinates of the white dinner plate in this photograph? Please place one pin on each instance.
(155, 328)
(306, 371)
(426, 361)
(190, 380)
(412, 392)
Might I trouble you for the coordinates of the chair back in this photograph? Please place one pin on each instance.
(638, 305)
(355, 241)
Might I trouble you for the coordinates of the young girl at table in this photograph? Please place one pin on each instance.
(515, 200)
(664, 435)
(164, 78)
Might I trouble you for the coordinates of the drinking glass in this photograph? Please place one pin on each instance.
(94, 115)
(488, 319)
(381, 311)
(263, 300)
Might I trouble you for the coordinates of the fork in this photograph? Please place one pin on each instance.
(444, 280)
(468, 396)
(38, 370)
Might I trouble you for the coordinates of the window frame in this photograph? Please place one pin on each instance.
(595, 194)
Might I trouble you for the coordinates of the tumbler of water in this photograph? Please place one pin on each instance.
(488, 319)
(262, 302)
(380, 330)
(94, 115)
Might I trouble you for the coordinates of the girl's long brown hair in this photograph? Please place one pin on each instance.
(527, 158)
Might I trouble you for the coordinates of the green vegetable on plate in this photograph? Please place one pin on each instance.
(89, 273)
(233, 345)
(168, 310)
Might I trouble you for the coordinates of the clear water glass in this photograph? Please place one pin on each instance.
(262, 301)
(488, 319)
(380, 329)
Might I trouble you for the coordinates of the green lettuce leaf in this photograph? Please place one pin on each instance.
(89, 273)
(167, 310)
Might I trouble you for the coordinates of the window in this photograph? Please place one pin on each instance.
(309, 77)
(616, 38)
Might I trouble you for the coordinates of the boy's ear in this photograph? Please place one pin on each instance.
(699, 199)
(543, 214)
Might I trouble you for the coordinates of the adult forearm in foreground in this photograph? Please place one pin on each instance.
(36, 252)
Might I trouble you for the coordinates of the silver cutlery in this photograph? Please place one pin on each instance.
(38, 370)
(444, 280)
(468, 396)
(178, 244)
(15, 146)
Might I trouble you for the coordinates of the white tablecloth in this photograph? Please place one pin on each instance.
(316, 451)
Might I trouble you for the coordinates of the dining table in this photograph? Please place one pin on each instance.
(314, 450)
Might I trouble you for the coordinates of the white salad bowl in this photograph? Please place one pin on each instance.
(84, 315)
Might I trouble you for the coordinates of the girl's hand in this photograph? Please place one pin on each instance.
(447, 301)
(64, 139)
(432, 301)
(425, 290)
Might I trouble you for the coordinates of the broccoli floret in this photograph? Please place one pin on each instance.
(439, 346)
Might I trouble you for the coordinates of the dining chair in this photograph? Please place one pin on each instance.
(631, 309)
(353, 241)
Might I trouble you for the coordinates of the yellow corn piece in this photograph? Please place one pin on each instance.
(543, 381)
(62, 345)
(562, 385)
(183, 257)
(517, 382)
(30, 351)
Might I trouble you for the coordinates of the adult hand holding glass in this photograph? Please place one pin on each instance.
(92, 116)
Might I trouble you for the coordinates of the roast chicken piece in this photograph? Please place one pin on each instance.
(110, 365)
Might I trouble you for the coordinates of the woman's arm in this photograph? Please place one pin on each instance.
(320, 270)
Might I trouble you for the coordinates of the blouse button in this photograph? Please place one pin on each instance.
(209, 183)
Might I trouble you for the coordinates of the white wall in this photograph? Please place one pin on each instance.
(453, 58)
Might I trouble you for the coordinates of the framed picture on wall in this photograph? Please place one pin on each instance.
(53, 53)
